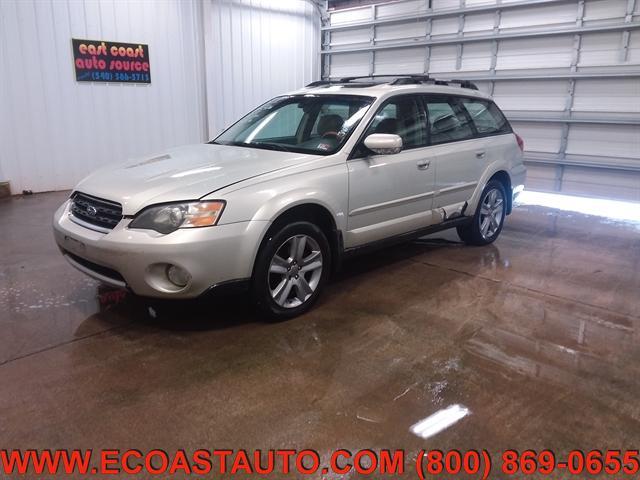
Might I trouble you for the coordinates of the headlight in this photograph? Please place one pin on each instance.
(169, 218)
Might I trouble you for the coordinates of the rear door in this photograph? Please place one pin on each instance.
(461, 155)
(391, 194)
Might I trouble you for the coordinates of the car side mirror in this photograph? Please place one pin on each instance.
(383, 143)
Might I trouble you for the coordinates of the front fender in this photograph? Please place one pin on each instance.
(263, 202)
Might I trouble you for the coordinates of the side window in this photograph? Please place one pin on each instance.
(447, 121)
(402, 116)
(487, 118)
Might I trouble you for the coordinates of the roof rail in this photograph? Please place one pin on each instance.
(409, 79)
(415, 79)
(464, 83)
(397, 77)
(319, 83)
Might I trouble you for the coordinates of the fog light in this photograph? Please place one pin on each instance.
(178, 276)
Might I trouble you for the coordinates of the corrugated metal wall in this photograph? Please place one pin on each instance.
(566, 73)
(54, 130)
(255, 50)
(211, 62)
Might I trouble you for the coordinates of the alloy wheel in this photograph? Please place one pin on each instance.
(491, 210)
(295, 271)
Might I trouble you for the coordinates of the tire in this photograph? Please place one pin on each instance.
(492, 205)
(292, 268)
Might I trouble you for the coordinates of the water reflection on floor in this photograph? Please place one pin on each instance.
(536, 335)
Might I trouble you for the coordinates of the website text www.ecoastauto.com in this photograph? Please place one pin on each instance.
(376, 463)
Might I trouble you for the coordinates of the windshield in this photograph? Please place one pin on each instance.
(317, 124)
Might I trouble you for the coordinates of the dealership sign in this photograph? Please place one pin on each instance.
(99, 61)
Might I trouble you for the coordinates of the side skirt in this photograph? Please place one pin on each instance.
(405, 237)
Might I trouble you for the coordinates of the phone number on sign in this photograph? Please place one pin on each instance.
(512, 462)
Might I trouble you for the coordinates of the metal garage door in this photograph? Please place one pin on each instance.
(566, 73)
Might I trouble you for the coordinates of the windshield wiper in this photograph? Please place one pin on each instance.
(271, 146)
(268, 146)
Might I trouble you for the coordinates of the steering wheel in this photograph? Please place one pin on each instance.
(330, 135)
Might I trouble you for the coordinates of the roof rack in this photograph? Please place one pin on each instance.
(319, 83)
(411, 79)
(396, 77)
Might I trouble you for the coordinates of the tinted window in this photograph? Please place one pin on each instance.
(318, 124)
(402, 116)
(283, 123)
(338, 111)
(448, 121)
(486, 117)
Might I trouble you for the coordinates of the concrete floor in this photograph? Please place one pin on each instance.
(537, 335)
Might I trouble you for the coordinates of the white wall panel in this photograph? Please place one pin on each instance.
(394, 62)
(552, 16)
(529, 53)
(601, 182)
(477, 3)
(604, 140)
(351, 37)
(255, 50)
(596, 11)
(351, 15)
(633, 56)
(531, 96)
(539, 137)
(444, 4)
(345, 64)
(443, 58)
(54, 130)
(476, 57)
(481, 23)
(444, 26)
(617, 95)
(394, 9)
(600, 49)
(401, 31)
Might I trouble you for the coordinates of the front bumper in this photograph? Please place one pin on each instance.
(138, 259)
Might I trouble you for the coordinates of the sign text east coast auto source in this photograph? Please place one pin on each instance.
(100, 61)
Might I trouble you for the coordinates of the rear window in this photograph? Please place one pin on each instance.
(486, 117)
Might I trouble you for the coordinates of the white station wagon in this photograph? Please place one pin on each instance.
(281, 197)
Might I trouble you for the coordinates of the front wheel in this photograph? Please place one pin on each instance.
(291, 269)
(489, 217)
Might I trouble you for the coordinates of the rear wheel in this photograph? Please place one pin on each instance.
(489, 217)
(291, 270)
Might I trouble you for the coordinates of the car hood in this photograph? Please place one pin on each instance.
(183, 173)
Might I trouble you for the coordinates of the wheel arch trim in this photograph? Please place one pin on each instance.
(333, 231)
(495, 170)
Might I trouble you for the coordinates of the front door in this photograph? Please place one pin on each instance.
(391, 194)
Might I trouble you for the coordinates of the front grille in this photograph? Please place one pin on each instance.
(101, 269)
(95, 211)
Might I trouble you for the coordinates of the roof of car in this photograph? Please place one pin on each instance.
(378, 86)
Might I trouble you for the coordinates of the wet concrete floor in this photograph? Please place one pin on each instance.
(537, 335)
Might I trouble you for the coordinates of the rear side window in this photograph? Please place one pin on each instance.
(448, 120)
(486, 117)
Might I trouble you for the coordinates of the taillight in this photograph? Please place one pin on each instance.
(520, 142)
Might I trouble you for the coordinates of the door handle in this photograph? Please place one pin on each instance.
(423, 164)
(481, 154)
